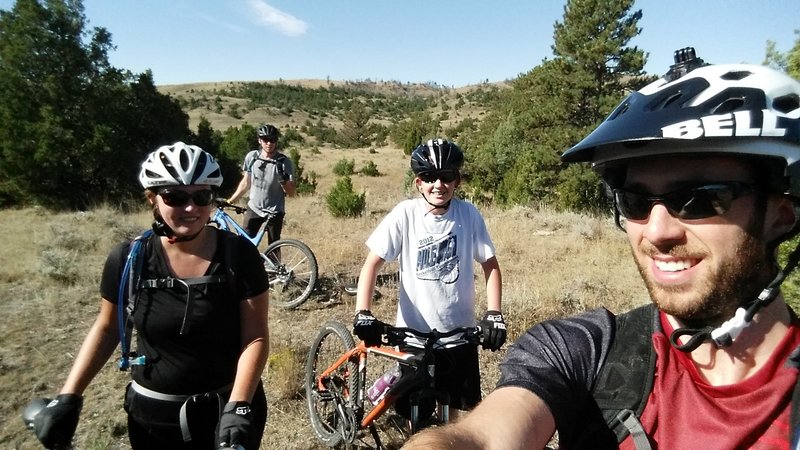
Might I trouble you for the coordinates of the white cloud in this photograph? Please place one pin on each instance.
(274, 18)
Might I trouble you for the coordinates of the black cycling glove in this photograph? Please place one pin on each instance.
(368, 328)
(56, 423)
(494, 330)
(235, 425)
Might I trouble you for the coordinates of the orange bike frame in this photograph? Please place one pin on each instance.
(361, 351)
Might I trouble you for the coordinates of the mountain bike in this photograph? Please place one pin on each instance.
(290, 263)
(337, 376)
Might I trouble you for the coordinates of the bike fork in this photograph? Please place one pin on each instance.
(374, 432)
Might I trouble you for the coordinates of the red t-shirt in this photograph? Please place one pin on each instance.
(684, 411)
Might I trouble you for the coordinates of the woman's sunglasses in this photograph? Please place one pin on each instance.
(699, 202)
(447, 176)
(178, 198)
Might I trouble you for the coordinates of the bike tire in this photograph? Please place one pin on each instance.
(292, 281)
(326, 407)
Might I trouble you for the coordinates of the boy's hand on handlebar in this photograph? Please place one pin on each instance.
(368, 328)
(494, 330)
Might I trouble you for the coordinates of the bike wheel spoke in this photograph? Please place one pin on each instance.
(330, 400)
(293, 272)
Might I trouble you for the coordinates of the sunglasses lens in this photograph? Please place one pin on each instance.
(705, 202)
(181, 198)
(632, 205)
(692, 203)
(203, 198)
(175, 198)
(427, 177)
(447, 176)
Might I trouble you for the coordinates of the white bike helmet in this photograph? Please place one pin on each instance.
(179, 164)
(736, 109)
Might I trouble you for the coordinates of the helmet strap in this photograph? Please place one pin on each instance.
(160, 228)
(726, 334)
(444, 207)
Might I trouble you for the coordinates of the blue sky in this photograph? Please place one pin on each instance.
(450, 42)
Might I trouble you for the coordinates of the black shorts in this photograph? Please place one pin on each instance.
(457, 373)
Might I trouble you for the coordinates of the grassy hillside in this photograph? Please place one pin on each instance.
(212, 101)
(552, 264)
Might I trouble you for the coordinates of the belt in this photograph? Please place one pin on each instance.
(183, 399)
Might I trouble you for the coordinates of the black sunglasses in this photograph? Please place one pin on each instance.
(268, 139)
(699, 202)
(447, 176)
(178, 198)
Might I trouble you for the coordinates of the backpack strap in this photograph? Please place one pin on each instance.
(794, 416)
(126, 298)
(131, 284)
(626, 378)
(250, 159)
(190, 283)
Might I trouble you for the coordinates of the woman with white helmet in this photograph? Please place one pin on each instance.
(195, 297)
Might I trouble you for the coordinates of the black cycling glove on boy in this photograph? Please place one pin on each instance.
(235, 425)
(367, 327)
(494, 330)
(56, 423)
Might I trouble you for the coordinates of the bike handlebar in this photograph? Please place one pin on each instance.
(397, 335)
(222, 203)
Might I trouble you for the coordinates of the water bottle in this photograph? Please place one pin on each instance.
(382, 385)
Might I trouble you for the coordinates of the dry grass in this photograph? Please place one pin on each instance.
(553, 264)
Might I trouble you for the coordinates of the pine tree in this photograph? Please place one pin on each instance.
(514, 156)
(73, 127)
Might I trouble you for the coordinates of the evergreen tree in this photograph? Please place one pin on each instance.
(356, 131)
(514, 156)
(73, 127)
(788, 62)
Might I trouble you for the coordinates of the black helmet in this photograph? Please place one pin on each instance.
(436, 154)
(269, 132)
(736, 109)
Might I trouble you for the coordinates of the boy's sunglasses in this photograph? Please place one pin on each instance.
(447, 176)
(699, 202)
(178, 198)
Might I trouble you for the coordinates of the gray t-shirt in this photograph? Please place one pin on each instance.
(559, 360)
(266, 194)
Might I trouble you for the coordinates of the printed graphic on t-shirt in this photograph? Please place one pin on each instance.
(437, 260)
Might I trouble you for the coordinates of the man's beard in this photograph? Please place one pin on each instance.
(715, 299)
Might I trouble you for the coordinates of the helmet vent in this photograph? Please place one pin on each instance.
(729, 105)
(667, 100)
(168, 165)
(201, 165)
(670, 100)
(786, 103)
(622, 109)
(735, 75)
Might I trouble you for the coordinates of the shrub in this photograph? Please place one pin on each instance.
(344, 167)
(370, 169)
(303, 184)
(343, 201)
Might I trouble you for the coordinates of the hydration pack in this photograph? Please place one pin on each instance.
(131, 284)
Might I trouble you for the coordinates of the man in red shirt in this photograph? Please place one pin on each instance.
(703, 168)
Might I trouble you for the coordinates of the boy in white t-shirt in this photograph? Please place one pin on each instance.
(435, 239)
